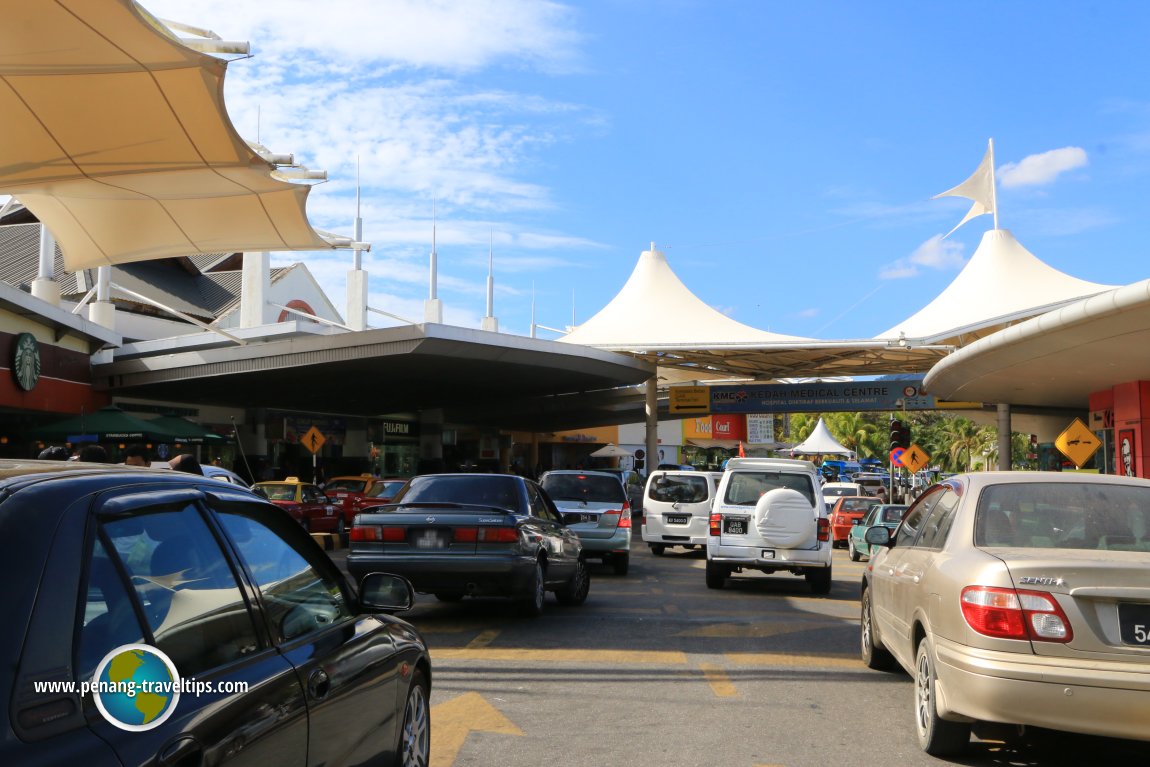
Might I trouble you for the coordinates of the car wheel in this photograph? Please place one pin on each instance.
(415, 738)
(621, 563)
(657, 549)
(819, 579)
(875, 656)
(716, 575)
(936, 736)
(854, 553)
(449, 596)
(575, 592)
(532, 604)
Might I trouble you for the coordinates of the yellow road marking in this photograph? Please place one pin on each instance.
(452, 721)
(754, 630)
(485, 638)
(716, 676)
(830, 660)
(523, 654)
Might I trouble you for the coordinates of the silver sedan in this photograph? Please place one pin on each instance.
(1017, 597)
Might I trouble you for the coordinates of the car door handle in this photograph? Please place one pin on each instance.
(179, 750)
(318, 684)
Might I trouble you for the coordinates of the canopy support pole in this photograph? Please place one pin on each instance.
(1004, 437)
(651, 408)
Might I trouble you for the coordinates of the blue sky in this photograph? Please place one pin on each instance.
(783, 155)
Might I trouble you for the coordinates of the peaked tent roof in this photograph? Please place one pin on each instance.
(657, 318)
(117, 138)
(1002, 283)
(820, 442)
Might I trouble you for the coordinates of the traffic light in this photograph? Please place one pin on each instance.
(895, 433)
(904, 436)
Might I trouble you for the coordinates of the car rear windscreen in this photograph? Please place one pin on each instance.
(678, 489)
(1061, 515)
(746, 487)
(584, 487)
(478, 490)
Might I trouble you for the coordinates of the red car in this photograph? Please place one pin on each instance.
(354, 493)
(846, 513)
(306, 503)
(381, 492)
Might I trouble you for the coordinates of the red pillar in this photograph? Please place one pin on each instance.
(1132, 425)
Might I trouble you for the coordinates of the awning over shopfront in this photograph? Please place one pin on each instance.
(472, 376)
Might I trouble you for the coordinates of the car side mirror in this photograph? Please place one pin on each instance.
(879, 536)
(384, 592)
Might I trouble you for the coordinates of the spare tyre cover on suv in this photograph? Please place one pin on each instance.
(784, 518)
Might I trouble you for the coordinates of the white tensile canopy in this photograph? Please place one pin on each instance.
(820, 442)
(1002, 283)
(657, 318)
(612, 451)
(116, 138)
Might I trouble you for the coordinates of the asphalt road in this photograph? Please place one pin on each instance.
(656, 669)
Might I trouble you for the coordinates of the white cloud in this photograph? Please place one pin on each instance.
(455, 35)
(935, 253)
(1039, 169)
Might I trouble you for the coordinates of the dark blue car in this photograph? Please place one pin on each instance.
(130, 580)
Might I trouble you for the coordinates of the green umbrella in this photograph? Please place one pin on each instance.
(108, 424)
(189, 432)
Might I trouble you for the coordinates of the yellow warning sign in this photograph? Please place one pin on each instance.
(690, 399)
(1077, 443)
(313, 440)
(915, 458)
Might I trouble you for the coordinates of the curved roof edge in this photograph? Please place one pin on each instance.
(1057, 358)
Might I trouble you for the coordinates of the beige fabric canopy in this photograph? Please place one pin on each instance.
(657, 318)
(114, 134)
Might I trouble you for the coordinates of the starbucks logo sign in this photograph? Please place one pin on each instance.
(26, 361)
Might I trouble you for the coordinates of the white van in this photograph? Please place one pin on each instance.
(677, 509)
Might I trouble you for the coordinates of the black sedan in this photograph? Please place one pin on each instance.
(163, 618)
(457, 535)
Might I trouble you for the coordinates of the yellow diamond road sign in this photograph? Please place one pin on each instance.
(313, 440)
(1077, 443)
(915, 458)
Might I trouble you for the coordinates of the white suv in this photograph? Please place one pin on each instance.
(769, 515)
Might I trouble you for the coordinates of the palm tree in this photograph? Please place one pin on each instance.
(961, 435)
(855, 432)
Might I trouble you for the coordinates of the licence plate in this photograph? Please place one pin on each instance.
(735, 526)
(1134, 623)
(768, 554)
(429, 539)
(677, 520)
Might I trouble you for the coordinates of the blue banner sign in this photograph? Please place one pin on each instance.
(823, 397)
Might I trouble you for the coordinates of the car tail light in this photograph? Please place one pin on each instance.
(824, 529)
(1014, 614)
(498, 535)
(378, 533)
(716, 523)
(464, 534)
(625, 515)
